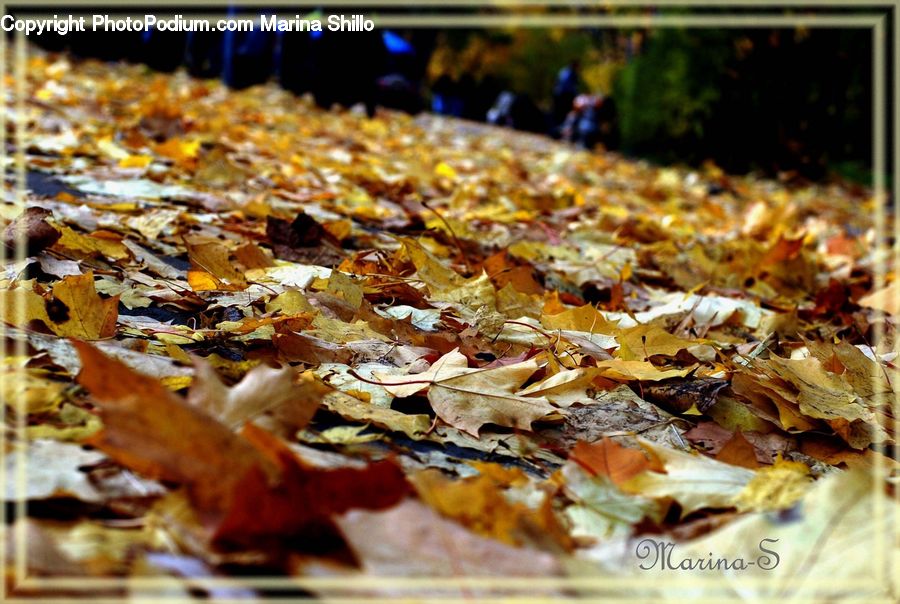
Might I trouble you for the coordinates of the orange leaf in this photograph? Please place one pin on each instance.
(79, 310)
(611, 459)
(244, 487)
(151, 430)
(305, 497)
(738, 452)
(208, 255)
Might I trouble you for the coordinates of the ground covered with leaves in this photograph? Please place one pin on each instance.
(253, 338)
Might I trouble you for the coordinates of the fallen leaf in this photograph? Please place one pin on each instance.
(32, 230)
(566, 388)
(410, 539)
(212, 267)
(738, 452)
(262, 390)
(775, 487)
(638, 370)
(601, 510)
(245, 487)
(85, 246)
(151, 430)
(694, 481)
(610, 459)
(74, 309)
(479, 503)
(452, 364)
(470, 400)
(644, 341)
(584, 318)
(414, 426)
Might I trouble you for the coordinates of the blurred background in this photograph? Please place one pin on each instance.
(792, 102)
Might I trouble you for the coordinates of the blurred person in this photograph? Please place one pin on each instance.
(517, 111)
(565, 90)
(336, 67)
(445, 98)
(399, 87)
(487, 89)
(468, 94)
(592, 120)
(294, 60)
(395, 91)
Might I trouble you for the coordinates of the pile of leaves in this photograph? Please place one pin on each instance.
(252, 337)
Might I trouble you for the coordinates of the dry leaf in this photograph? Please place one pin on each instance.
(694, 481)
(262, 390)
(609, 458)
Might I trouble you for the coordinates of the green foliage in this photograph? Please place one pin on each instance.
(779, 100)
(670, 90)
(524, 59)
(536, 56)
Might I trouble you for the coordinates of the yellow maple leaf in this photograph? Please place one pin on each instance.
(178, 150)
(775, 488)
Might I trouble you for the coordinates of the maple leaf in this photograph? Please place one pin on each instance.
(411, 540)
(488, 396)
(212, 266)
(450, 365)
(694, 481)
(469, 398)
(263, 389)
(32, 229)
(245, 487)
(74, 310)
(609, 458)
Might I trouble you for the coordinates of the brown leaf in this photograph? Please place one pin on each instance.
(678, 396)
(609, 458)
(32, 228)
(309, 349)
(303, 240)
(149, 429)
(304, 498)
(245, 487)
(289, 401)
(470, 400)
(410, 539)
(89, 316)
(739, 452)
(212, 266)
